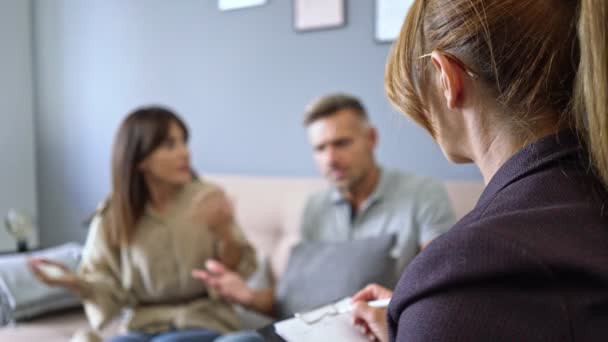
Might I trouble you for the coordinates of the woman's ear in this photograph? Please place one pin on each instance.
(450, 78)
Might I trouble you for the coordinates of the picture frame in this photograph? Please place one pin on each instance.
(312, 15)
(229, 5)
(389, 16)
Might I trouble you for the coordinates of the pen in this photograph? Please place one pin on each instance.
(379, 303)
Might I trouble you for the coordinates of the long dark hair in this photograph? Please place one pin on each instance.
(141, 132)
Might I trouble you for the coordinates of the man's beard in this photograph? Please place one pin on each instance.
(348, 185)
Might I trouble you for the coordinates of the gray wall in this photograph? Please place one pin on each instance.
(241, 80)
(17, 161)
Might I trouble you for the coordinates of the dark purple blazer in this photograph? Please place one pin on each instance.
(529, 263)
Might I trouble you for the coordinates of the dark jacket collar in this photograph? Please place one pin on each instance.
(546, 150)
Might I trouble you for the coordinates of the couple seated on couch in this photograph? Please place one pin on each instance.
(166, 244)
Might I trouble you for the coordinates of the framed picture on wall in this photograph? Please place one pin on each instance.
(318, 14)
(390, 15)
(226, 5)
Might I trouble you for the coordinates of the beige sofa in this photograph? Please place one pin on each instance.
(268, 209)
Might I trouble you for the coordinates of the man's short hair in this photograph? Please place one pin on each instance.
(328, 105)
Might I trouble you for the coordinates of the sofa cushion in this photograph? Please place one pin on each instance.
(322, 272)
(6, 312)
(26, 296)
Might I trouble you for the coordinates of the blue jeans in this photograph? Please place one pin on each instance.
(243, 336)
(186, 335)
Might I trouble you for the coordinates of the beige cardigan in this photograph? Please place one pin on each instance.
(152, 279)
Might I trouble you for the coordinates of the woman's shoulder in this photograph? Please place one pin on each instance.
(484, 251)
(475, 265)
(199, 185)
(101, 211)
(473, 247)
(98, 226)
(199, 188)
(466, 257)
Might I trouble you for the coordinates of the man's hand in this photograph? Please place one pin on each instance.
(371, 321)
(228, 284)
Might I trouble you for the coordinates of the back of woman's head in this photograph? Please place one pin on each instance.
(532, 57)
(140, 133)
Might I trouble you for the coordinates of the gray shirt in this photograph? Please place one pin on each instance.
(415, 209)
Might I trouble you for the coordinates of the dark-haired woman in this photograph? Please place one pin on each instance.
(159, 224)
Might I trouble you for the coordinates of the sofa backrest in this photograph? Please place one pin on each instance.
(269, 209)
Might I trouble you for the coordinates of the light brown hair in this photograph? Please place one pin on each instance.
(330, 104)
(534, 56)
(141, 132)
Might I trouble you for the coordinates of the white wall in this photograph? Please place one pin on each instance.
(17, 135)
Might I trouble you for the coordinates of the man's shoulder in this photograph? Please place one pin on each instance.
(315, 212)
(320, 199)
(405, 185)
(409, 178)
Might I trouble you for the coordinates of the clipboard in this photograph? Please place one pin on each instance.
(327, 323)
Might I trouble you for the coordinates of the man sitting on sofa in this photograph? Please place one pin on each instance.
(364, 200)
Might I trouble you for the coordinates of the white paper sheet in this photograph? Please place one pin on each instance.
(331, 323)
(332, 328)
